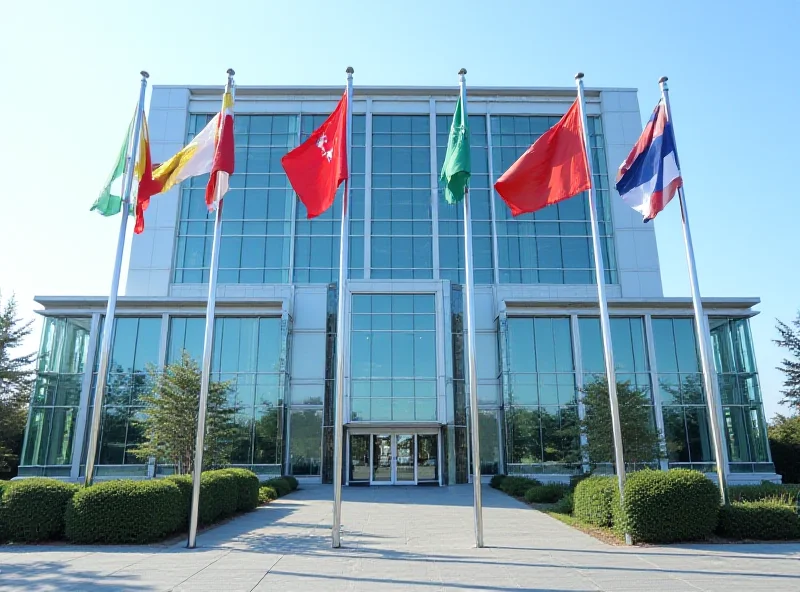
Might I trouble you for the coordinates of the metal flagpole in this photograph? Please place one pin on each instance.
(605, 323)
(699, 318)
(111, 307)
(208, 345)
(469, 309)
(338, 428)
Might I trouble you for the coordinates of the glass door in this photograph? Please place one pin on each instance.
(427, 457)
(359, 458)
(404, 459)
(382, 458)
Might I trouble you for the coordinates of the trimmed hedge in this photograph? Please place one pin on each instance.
(124, 511)
(575, 479)
(184, 483)
(565, 505)
(594, 500)
(546, 494)
(293, 483)
(32, 509)
(266, 494)
(496, 481)
(759, 520)
(280, 485)
(247, 485)
(668, 506)
(517, 486)
(219, 492)
(787, 494)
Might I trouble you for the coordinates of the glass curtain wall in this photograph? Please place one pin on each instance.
(249, 353)
(402, 234)
(57, 391)
(553, 245)
(541, 407)
(316, 256)
(393, 357)
(743, 412)
(680, 384)
(134, 351)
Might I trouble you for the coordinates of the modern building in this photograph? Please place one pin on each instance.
(406, 408)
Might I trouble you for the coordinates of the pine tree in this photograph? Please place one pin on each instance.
(16, 380)
(640, 441)
(790, 366)
(171, 413)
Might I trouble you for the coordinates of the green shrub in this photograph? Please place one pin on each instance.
(496, 481)
(219, 491)
(787, 494)
(546, 494)
(33, 509)
(760, 520)
(593, 500)
(575, 479)
(280, 485)
(247, 484)
(291, 481)
(784, 441)
(266, 494)
(124, 511)
(565, 505)
(668, 506)
(517, 486)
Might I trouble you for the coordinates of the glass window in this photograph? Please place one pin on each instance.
(305, 437)
(541, 405)
(257, 214)
(553, 245)
(393, 357)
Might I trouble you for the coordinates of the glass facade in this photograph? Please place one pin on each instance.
(267, 237)
(393, 358)
(250, 354)
(57, 392)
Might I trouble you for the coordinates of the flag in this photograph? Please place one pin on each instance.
(457, 164)
(649, 177)
(109, 202)
(144, 174)
(222, 164)
(553, 169)
(200, 156)
(318, 166)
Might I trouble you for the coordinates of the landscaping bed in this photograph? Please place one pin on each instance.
(125, 511)
(663, 507)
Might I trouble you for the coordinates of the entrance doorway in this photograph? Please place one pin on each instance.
(393, 459)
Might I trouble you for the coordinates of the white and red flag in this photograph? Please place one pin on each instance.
(318, 166)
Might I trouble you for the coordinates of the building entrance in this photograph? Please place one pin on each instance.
(400, 458)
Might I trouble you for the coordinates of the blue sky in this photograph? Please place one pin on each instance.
(71, 79)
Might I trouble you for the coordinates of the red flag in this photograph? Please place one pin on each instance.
(223, 162)
(553, 169)
(318, 166)
(148, 187)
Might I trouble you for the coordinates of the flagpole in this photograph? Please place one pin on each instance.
(699, 318)
(469, 310)
(605, 322)
(111, 307)
(338, 428)
(208, 345)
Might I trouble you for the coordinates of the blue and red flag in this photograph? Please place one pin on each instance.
(649, 177)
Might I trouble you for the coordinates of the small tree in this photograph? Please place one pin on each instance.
(171, 414)
(640, 439)
(790, 366)
(16, 380)
(784, 441)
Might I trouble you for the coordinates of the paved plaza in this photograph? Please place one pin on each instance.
(398, 538)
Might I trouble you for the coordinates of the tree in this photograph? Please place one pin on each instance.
(790, 366)
(640, 439)
(171, 413)
(16, 381)
(784, 441)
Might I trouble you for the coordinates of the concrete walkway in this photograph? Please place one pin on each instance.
(399, 539)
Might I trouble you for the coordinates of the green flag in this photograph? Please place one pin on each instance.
(109, 202)
(457, 164)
